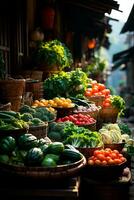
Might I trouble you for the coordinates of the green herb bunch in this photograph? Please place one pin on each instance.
(53, 53)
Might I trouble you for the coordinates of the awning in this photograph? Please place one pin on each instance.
(122, 57)
(129, 25)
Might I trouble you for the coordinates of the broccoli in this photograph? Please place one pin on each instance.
(27, 109)
(36, 122)
(26, 117)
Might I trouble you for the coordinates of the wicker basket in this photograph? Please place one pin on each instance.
(60, 171)
(109, 115)
(117, 146)
(14, 133)
(93, 114)
(39, 131)
(91, 127)
(62, 112)
(98, 100)
(106, 172)
(88, 151)
(6, 106)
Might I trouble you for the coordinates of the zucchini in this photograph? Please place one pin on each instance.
(12, 113)
(5, 116)
(79, 101)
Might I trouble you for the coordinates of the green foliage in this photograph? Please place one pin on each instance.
(118, 102)
(66, 84)
(124, 128)
(97, 66)
(53, 53)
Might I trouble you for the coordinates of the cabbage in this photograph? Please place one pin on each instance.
(112, 127)
(106, 138)
(116, 136)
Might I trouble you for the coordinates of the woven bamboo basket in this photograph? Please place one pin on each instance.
(98, 100)
(14, 133)
(91, 127)
(88, 151)
(93, 114)
(60, 171)
(6, 106)
(39, 131)
(109, 114)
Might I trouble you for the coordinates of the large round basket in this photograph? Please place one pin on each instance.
(14, 133)
(60, 171)
(93, 114)
(62, 112)
(91, 127)
(107, 172)
(6, 106)
(39, 131)
(117, 146)
(109, 114)
(88, 151)
(98, 100)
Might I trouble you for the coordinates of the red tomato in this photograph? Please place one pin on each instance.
(97, 162)
(96, 152)
(113, 155)
(111, 162)
(101, 157)
(122, 159)
(115, 151)
(101, 86)
(104, 162)
(106, 105)
(117, 161)
(90, 162)
(106, 92)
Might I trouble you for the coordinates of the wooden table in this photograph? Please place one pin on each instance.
(30, 189)
(105, 190)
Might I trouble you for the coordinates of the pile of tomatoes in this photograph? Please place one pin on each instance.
(98, 89)
(105, 157)
(78, 119)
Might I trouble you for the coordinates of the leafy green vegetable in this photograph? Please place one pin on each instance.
(124, 128)
(118, 102)
(66, 84)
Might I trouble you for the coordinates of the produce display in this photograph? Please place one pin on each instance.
(11, 120)
(97, 89)
(30, 151)
(66, 91)
(66, 84)
(90, 108)
(111, 133)
(36, 116)
(69, 133)
(57, 102)
(105, 157)
(78, 119)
